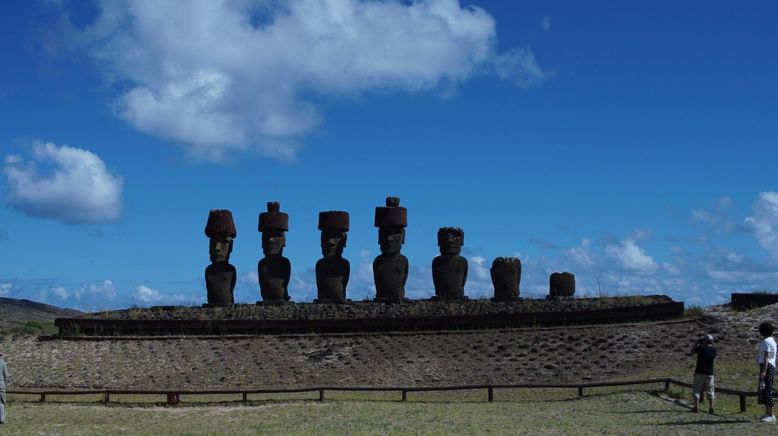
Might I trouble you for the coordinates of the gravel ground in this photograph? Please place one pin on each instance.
(565, 354)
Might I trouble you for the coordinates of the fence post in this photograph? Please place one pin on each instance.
(404, 395)
(321, 394)
(580, 391)
(106, 397)
(667, 385)
(245, 397)
(742, 403)
(491, 393)
(43, 397)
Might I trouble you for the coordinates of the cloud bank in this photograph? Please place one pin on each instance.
(226, 76)
(764, 223)
(63, 183)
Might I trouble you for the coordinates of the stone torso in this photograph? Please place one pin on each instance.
(274, 272)
(220, 282)
(332, 275)
(449, 274)
(390, 274)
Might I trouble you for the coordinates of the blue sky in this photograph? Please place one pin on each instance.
(631, 143)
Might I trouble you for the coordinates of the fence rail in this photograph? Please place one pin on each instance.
(174, 395)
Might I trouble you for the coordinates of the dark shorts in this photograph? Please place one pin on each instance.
(766, 395)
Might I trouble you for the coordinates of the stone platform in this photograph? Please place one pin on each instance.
(368, 316)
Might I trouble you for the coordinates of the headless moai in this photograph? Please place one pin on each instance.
(390, 268)
(449, 270)
(506, 278)
(274, 269)
(561, 285)
(220, 275)
(332, 270)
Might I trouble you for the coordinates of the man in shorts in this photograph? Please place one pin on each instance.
(703, 372)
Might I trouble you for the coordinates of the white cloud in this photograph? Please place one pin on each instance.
(630, 256)
(701, 216)
(581, 255)
(479, 268)
(221, 76)
(144, 294)
(102, 291)
(545, 24)
(519, 66)
(60, 292)
(5, 289)
(302, 286)
(764, 223)
(640, 234)
(63, 183)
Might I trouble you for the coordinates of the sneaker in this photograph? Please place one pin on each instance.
(770, 418)
(695, 410)
(711, 411)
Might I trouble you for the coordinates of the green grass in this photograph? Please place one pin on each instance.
(31, 328)
(603, 411)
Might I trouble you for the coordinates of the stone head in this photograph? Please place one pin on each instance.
(333, 225)
(506, 274)
(220, 249)
(273, 224)
(273, 242)
(391, 239)
(220, 229)
(333, 242)
(391, 221)
(561, 284)
(451, 240)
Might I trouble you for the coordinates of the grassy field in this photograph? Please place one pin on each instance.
(536, 411)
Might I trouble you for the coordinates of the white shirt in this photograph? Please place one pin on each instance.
(767, 345)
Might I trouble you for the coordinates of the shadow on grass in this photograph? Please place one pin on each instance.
(705, 422)
(644, 411)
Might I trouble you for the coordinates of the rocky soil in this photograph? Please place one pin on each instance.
(564, 354)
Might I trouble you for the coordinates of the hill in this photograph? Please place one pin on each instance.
(17, 313)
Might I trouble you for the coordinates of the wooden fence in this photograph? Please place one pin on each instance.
(174, 395)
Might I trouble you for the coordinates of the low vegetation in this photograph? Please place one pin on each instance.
(693, 312)
(30, 328)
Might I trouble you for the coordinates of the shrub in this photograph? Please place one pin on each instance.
(693, 312)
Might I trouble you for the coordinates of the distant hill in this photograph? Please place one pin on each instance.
(15, 312)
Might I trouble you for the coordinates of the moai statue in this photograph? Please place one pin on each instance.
(332, 270)
(390, 268)
(449, 270)
(274, 269)
(220, 275)
(561, 285)
(506, 277)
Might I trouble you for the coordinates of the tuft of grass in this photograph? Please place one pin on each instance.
(693, 312)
